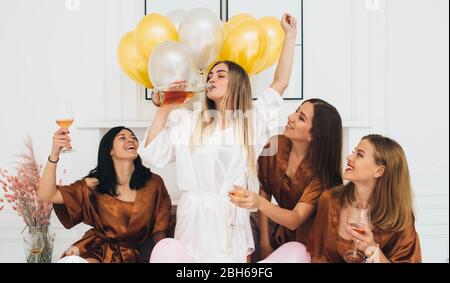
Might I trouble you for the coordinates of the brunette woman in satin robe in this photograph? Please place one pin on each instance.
(378, 174)
(122, 200)
(307, 161)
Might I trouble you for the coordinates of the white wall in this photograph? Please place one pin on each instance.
(418, 111)
(379, 67)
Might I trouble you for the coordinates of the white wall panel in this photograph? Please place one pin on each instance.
(165, 6)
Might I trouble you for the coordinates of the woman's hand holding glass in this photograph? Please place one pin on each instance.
(363, 237)
(244, 198)
(61, 140)
(358, 225)
(64, 117)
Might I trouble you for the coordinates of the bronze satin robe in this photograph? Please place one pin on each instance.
(118, 226)
(304, 187)
(326, 245)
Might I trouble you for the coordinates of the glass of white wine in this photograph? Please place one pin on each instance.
(64, 118)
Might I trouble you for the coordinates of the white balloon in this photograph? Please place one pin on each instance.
(176, 16)
(201, 31)
(170, 62)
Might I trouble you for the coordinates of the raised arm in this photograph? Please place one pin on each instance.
(158, 124)
(284, 67)
(161, 115)
(47, 185)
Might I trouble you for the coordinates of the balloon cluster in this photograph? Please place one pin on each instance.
(182, 46)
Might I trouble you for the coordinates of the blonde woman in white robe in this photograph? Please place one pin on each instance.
(213, 154)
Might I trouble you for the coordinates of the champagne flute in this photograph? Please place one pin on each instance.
(64, 117)
(358, 218)
(233, 224)
(244, 185)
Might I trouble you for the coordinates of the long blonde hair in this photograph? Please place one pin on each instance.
(238, 98)
(391, 200)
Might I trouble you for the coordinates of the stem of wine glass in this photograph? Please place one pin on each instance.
(66, 150)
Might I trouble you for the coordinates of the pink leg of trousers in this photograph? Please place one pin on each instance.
(290, 252)
(169, 250)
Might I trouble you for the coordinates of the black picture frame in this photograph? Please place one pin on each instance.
(147, 97)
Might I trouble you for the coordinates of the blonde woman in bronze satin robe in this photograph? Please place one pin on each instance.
(378, 174)
(307, 161)
(123, 201)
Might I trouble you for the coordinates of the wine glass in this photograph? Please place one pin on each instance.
(358, 218)
(64, 117)
(233, 223)
(35, 242)
(243, 184)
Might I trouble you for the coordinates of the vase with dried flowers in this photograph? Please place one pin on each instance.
(20, 190)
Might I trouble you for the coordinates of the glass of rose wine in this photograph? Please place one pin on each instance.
(358, 218)
(64, 118)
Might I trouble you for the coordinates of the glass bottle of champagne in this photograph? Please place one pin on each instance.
(177, 93)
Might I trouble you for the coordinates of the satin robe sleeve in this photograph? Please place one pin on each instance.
(268, 105)
(163, 218)
(262, 175)
(76, 207)
(312, 192)
(320, 230)
(161, 151)
(404, 246)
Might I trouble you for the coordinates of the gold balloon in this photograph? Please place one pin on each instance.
(275, 38)
(227, 27)
(211, 65)
(130, 62)
(235, 20)
(152, 30)
(245, 45)
(238, 18)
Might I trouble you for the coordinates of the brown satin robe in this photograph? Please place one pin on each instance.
(326, 245)
(304, 187)
(119, 227)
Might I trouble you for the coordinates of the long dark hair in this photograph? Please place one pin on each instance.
(325, 152)
(105, 172)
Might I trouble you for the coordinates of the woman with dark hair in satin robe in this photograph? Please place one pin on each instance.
(121, 199)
